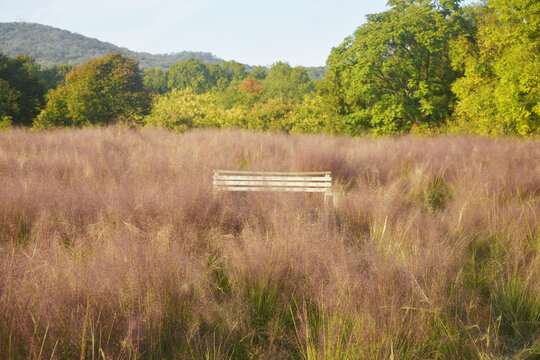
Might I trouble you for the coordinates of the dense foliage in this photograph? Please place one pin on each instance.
(194, 94)
(55, 76)
(102, 91)
(395, 71)
(180, 110)
(21, 90)
(500, 91)
(422, 66)
(201, 77)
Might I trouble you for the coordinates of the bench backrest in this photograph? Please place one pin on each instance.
(236, 180)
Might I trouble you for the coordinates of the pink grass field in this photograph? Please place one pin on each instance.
(113, 246)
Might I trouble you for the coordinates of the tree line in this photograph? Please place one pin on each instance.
(421, 66)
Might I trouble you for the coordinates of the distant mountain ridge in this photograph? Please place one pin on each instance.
(52, 46)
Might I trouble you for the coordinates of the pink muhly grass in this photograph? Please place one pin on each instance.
(113, 244)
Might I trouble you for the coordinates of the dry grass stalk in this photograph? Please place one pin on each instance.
(113, 246)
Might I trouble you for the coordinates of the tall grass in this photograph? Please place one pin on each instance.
(113, 246)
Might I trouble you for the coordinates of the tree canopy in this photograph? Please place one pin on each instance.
(423, 66)
(21, 89)
(500, 90)
(192, 74)
(197, 76)
(55, 76)
(395, 71)
(287, 82)
(102, 91)
(155, 79)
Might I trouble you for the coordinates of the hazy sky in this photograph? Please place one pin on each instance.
(301, 32)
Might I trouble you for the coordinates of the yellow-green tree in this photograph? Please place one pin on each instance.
(179, 110)
(500, 90)
(102, 91)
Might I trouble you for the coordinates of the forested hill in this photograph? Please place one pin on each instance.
(52, 46)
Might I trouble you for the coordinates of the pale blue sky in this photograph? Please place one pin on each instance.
(301, 32)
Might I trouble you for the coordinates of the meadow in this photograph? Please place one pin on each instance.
(113, 246)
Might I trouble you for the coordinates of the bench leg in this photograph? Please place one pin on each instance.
(334, 198)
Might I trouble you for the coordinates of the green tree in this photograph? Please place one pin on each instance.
(155, 79)
(192, 74)
(395, 72)
(500, 91)
(8, 101)
(102, 91)
(217, 77)
(55, 76)
(21, 89)
(234, 70)
(259, 73)
(286, 82)
(229, 72)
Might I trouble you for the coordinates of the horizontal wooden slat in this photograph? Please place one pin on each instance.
(238, 180)
(271, 172)
(249, 188)
(272, 183)
(272, 178)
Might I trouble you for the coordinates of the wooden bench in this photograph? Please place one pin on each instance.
(237, 180)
